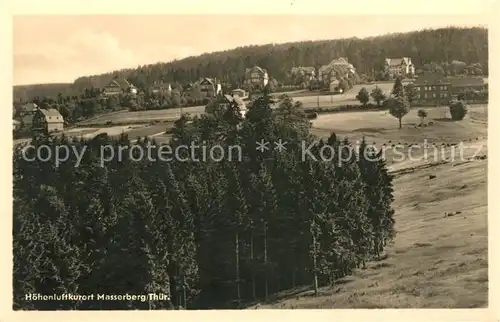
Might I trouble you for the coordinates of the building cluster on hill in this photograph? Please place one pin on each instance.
(339, 75)
(432, 86)
(32, 118)
(255, 78)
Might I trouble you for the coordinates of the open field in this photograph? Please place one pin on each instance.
(123, 117)
(381, 127)
(291, 93)
(438, 259)
(144, 116)
(134, 132)
(348, 97)
(381, 130)
(91, 132)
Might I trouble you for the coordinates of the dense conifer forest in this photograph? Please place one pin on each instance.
(210, 233)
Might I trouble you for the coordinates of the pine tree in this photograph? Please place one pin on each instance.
(398, 89)
(378, 189)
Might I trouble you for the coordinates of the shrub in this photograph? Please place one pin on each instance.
(363, 96)
(422, 114)
(458, 110)
(312, 115)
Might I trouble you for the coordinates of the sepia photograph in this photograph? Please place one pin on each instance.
(248, 162)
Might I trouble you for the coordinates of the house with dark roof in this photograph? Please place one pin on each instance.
(239, 92)
(432, 88)
(26, 112)
(228, 99)
(28, 109)
(49, 120)
(307, 73)
(256, 77)
(161, 88)
(399, 67)
(466, 83)
(119, 86)
(210, 87)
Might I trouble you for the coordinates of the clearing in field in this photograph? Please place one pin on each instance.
(439, 258)
(88, 133)
(380, 127)
(347, 98)
(126, 117)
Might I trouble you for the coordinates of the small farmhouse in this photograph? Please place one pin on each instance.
(49, 120)
(210, 87)
(28, 109)
(239, 92)
(256, 77)
(305, 73)
(161, 88)
(228, 99)
(119, 86)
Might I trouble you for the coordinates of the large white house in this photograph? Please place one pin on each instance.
(399, 67)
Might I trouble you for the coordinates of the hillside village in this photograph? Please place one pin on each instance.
(388, 214)
(337, 77)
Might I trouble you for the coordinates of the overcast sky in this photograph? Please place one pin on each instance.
(49, 49)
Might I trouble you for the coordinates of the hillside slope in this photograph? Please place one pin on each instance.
(436, 261)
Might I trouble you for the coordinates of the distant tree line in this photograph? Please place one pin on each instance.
(214, 234)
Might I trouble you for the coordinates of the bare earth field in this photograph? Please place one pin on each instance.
(439, 258)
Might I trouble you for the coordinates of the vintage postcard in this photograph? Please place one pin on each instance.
(243, 162)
